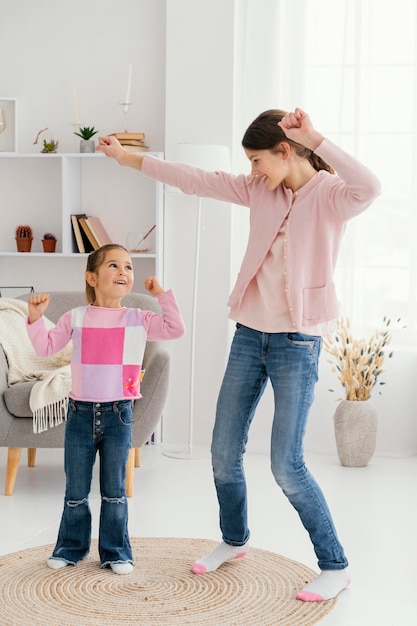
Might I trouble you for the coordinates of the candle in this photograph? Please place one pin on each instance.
(75, 110)
(129, 86)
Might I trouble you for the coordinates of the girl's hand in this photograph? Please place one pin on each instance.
(297, 126)
(153, 285)
(37, 305)
(112, 148)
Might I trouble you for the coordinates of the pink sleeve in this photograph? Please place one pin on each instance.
(50, 342)
(169, 325)
(192, 180)
(358, 186)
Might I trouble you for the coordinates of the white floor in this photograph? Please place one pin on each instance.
(375, 509)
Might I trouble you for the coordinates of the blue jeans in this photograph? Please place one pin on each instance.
(290, 361)
(107, 428)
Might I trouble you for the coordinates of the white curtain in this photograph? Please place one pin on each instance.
(353, 67)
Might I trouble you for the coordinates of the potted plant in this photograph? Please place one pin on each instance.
(24, 238)
(49, 242)
(50, 147)
(358, 364)
(87, 143)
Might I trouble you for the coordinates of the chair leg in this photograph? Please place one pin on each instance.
(137, 457)
(13, 459)
(130, 473)
(31, 457)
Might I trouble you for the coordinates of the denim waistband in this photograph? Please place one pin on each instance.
(103, 405)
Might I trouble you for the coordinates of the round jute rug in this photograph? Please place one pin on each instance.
(258, 590)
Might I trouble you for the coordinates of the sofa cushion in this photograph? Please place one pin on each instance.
(16, 398)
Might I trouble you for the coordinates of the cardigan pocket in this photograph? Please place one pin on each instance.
(315, 304)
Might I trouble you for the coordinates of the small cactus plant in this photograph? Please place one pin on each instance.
(24, 237)
(24, 232)
(49, 242)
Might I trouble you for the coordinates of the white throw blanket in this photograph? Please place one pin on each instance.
(49, 396)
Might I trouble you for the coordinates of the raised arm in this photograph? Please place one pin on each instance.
(170, 324)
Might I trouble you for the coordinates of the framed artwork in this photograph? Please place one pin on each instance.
(8, 115)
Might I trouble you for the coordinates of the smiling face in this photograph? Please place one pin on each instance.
(270, 166)
(113, 279)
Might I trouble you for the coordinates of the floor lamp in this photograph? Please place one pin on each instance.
(211, 158)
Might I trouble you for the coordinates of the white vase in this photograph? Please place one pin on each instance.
(355, 425)
(87, 145)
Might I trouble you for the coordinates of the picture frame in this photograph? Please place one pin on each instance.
(8, 124)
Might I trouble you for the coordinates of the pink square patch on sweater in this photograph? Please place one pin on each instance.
(102, 345)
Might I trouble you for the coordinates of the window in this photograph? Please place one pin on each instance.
(359, 69)
(352, 65)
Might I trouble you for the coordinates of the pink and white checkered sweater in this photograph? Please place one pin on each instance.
(108, 346)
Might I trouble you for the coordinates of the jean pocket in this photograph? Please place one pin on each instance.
(300, 340)
(71, 410)
(125, 414)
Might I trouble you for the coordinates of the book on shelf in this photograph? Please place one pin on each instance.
(131, 148)
(82, 244)
(134, 142)
(89, 232)
(84, 227)
(127, 136)
(99, 232)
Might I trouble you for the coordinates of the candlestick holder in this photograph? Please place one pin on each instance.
(3, 123)
(8, 125)
(125, 110)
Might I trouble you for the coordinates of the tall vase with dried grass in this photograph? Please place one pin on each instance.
(358, 364)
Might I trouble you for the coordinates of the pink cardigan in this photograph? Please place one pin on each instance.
(320, 210)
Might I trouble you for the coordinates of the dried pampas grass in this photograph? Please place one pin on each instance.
(358, 362)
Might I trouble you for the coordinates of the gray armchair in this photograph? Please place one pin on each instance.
(16, 426)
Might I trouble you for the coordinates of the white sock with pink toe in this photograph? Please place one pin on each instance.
(221, 553)
(326, 586)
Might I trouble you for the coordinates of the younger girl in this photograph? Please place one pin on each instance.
(108, 346)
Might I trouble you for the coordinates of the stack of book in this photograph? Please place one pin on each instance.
(89, 233)
(134, 142)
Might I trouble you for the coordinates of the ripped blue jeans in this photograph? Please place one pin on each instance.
(105, 427)
(290, 362)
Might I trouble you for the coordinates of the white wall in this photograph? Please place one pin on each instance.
(187, 65)
(199, 109)
(48, 47)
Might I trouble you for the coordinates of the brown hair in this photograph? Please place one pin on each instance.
(94, 260)
(265, 134)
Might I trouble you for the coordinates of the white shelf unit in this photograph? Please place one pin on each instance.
(43, 190)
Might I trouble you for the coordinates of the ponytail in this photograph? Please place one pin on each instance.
(318, 163)
(265, 134)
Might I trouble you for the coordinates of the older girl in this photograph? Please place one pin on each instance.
(283, 300)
